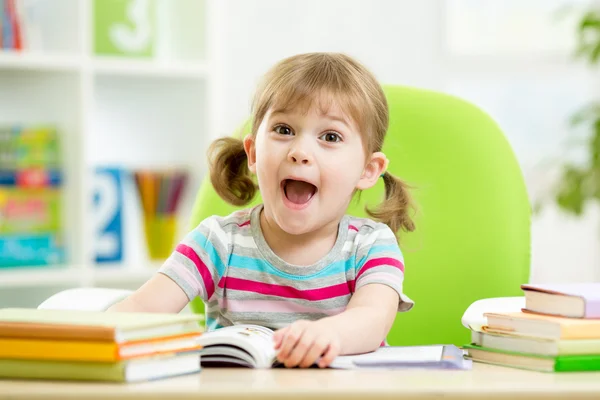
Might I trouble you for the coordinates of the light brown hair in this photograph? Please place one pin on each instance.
(299, 81)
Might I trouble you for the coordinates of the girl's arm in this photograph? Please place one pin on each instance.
(367, 320)
(159, 294)
(361, 328)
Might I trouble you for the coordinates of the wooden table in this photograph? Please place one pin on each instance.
(482, 382)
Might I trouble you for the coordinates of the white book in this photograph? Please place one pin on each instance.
(532, 345)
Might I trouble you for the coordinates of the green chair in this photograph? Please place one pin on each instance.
(473, 234)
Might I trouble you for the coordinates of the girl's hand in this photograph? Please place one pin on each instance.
(302, 343)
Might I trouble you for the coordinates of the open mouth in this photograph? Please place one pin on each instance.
(298, 192)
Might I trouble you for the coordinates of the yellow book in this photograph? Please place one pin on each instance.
(93, 351)
(31, 349)
(542, 326)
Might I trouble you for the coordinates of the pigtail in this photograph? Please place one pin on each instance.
(229, 173)
(394, 210)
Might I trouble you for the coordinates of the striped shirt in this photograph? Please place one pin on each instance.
(227, 262)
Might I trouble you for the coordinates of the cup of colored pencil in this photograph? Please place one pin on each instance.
(160, 194)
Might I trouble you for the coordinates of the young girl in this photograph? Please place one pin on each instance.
(329, 283)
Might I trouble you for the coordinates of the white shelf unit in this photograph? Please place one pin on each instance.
(114, 111)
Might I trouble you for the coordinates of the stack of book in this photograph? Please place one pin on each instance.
(97, 346)
(558, 330)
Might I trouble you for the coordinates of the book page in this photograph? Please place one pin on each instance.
(392, 354)
(256, 340)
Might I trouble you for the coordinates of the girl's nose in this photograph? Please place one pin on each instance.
(297, 156)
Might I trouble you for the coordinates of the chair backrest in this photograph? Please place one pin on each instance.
(473, 224)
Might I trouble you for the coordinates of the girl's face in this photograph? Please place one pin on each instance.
(308, 165)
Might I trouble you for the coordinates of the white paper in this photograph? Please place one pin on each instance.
(405, 354)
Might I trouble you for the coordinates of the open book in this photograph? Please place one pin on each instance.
(238, 346)
(252, 346)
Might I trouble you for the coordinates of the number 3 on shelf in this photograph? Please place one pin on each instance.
(136, 38)
(124, 27)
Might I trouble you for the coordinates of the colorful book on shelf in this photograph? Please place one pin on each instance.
(94, 325)
(92, 350)
(24, 147)
(576, 300)
(31, 231)
(542, 326)
(134, 370)
(1, 24)
(533, 361)
(15, 24)
(29, 211)
(31, 250)
(31, 178)
(6, 25)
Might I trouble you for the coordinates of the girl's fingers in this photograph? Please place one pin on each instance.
(279, 335)
(314, 352)
(303, 346)
(290, 339)
(330, 354)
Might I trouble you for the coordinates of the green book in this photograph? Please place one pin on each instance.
(135, 370)
(533, 361)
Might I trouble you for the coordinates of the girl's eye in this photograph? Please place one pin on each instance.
(331, 137)
(283, 130)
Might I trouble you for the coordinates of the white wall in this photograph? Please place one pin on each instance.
(525, 82)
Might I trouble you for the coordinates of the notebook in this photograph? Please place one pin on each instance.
(576, 300)
(401, 357)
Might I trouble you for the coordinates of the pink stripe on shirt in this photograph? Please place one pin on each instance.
(376, 262)
(187, 275)
(289, 292)
(275, 306)
(200, 266)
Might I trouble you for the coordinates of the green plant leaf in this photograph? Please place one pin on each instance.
(586, 114)
(578, 184)
(595, 146)
(591, 19)
(570, 196)
(588, 37)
